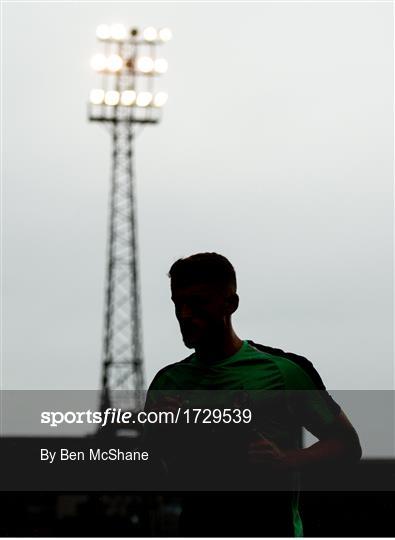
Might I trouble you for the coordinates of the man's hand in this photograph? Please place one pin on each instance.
(266, 452)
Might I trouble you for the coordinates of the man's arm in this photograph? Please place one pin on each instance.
(314, 409)
(338, 443)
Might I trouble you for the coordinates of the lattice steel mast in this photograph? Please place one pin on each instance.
(125, 99)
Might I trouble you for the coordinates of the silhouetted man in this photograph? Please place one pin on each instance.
(203, 290)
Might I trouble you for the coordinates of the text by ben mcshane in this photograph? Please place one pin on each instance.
(94, 454)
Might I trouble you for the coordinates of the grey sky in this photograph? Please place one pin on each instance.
(276, 149)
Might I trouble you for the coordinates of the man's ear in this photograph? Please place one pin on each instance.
(232, 303)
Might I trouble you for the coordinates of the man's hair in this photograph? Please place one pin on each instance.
(210, 268)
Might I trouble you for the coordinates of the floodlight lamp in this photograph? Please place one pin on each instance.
(114, 62)
(161, 65)
(128, 97)
(118, 32)
(160, 99)
(143, 99)
(99, 62)
(150, 33)
(165, 34)
(111, 97)
(96, 97)
(145, 64)
(103, 31)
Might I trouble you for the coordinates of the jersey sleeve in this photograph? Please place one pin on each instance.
(308, 399)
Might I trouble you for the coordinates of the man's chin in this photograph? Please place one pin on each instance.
(189, 343)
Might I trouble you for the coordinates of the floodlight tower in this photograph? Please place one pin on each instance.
(128, 67)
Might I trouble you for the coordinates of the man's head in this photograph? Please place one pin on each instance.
(203, 288)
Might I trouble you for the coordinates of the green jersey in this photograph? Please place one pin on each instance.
(288, 393)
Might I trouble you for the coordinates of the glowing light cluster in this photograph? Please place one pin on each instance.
(151, 34)
(136, 55)
(127, 98)
(114, 63)
(111, 63)
(113, 31)
(145, 64)
(118, 32)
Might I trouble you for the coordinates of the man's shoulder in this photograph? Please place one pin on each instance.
(294, 367)
(298, 373)
(168, 376)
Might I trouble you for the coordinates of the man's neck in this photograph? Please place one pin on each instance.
(218, 349)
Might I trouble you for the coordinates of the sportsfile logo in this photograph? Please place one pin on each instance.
(109, 416)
